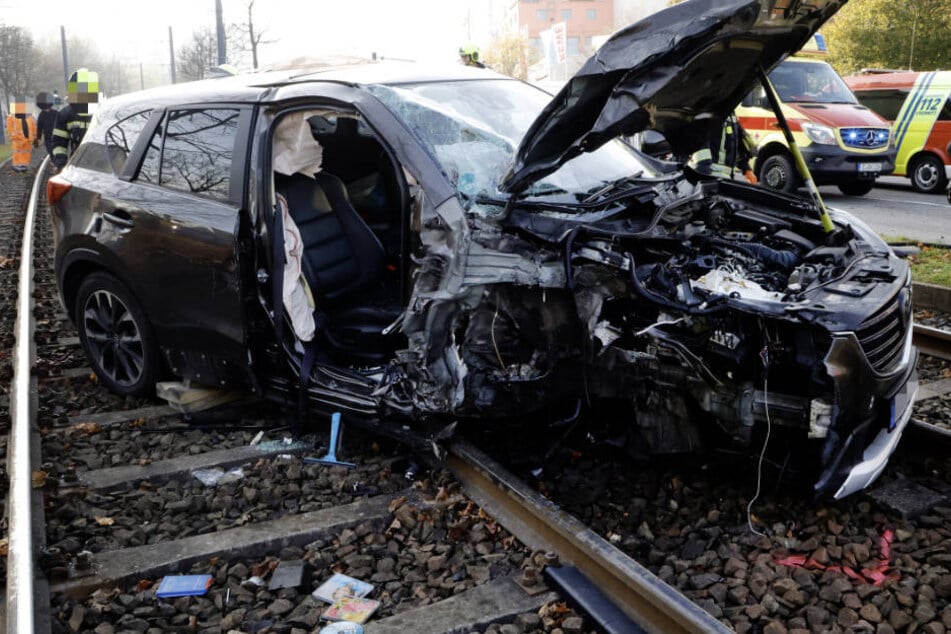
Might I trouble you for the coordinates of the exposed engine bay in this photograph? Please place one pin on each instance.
(708, 312)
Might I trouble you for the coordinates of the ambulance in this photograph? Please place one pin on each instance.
(843, 142)
(917, 103)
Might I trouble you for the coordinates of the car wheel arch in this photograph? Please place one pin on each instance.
(920, 158)
(80, 264)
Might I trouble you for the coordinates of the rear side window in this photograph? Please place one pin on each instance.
(121, 137)
(192, 151)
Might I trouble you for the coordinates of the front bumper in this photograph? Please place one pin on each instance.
(872, 409)
(830, 164)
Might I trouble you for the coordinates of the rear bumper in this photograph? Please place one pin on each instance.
(830, 164)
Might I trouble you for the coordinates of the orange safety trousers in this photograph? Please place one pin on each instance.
(22, 144)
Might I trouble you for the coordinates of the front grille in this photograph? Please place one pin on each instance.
(864, 138)
(882, 336)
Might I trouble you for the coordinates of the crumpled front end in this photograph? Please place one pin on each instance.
(872, 407)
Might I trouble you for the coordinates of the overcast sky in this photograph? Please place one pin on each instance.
(415, 29)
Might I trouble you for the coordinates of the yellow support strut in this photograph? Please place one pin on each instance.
(797, 155)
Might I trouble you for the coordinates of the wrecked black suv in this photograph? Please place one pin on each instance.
(416, 246)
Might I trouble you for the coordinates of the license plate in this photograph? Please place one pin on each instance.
(870, 167)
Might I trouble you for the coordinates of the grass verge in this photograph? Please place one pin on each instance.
(931, 266)
(5, 152)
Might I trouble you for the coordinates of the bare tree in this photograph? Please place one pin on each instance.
(511, 54)
(246, 37)
(196, 57)
(17, 53)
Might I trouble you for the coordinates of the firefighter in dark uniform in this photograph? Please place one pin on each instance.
(730, 151)
(73, 120)
(46, 120)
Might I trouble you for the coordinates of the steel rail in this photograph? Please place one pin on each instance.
(537, 522)
(20, 609)
(933, 342)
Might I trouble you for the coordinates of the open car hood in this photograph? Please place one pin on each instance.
(679, 71)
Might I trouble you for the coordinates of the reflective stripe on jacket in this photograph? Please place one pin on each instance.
(69, 130)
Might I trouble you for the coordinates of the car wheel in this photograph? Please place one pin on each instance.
(116, 336)
(856, 188)
(927, 176)
(778, 172)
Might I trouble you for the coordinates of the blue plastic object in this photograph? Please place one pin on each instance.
(331, 457)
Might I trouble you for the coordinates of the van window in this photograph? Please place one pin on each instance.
(809, 82)
(191, 151)
(886, 102)
(945, 114)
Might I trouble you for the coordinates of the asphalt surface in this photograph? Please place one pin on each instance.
(895, 210)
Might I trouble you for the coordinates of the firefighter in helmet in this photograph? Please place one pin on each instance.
(73, 120)
(470, 56)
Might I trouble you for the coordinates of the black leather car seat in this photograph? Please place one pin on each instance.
(341, 254)
(344, 265)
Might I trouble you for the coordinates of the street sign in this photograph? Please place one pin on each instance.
(559, 34)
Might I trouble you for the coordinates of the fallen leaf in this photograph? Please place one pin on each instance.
(4, 547)
(39, 479)
(105, 521)
(86, 429)
(143, 585)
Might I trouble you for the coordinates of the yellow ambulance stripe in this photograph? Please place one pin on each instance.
(919, 114)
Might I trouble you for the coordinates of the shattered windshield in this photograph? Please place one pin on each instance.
(474, 127)
(809, 82)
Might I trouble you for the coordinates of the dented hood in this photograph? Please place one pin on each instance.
(679, 71)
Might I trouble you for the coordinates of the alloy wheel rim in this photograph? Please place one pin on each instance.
(775, 176)
(927, 176)
(114, 338)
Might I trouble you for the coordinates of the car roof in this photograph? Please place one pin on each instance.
(255, 87)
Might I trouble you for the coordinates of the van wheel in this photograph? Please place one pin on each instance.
(778, 172)
(856, 188)
(116, 336)
(927, 175)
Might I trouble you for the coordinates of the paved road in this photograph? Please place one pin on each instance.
(894, 210)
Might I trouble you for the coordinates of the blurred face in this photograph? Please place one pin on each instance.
(18, 107)
(83, 89)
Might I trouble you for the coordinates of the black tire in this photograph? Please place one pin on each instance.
(116, 336)
(777, 172)
(927, 175)
(856, 188)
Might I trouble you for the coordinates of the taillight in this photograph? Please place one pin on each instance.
(56, 188)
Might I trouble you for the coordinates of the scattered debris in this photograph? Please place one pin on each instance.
(216, 475)
(342, 627)
(353, 609)
(187, 399)
(341, 586)
(183, 586)
(289, 574)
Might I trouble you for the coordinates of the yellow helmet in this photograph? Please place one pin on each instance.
(470, 50)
